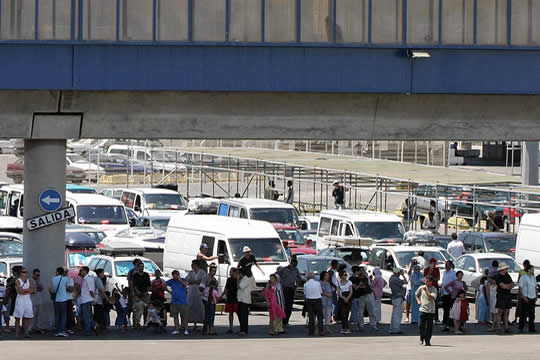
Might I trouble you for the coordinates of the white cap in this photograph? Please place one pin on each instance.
(336, 182)
(246, 249)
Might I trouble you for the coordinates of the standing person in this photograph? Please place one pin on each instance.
(121, 301)
(339, 195)
(179, 303)
(492, 293)
(159, 286)
(415, 281)
(431, 223)
(326, 300)
(230, 295)
(483, 305)
(420, 260)
(246, 284)
(289, 197)
(270, 192)
(455, 247)
(195, 303)
(447, 300)
(334, 279)
(11, 292)
(247, 261)
(141, 289)
(289, 276)
(504, 296)
(100, 299)
(275, 311)
(460, 312)
(407, 211)
(60, 289)
(494, 269)
(362, 299)
(23, 304)
(36, 324)
(203, 257)
(433, 271)
(426, 296)
(131, 298)
(88, 290)
(210, 296)
(528, 293)
(345, 298)
(378, 285)
(398, 296)
(313, 293)
(455, 286)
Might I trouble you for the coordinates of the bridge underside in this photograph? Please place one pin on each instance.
(267, 115)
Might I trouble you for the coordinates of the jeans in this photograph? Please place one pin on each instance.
(210, 314)
(315, 311)
(86, 315)
(527, 312)
(243, 316)
(426, 326)
(377, 308)
(335, 303)
(60, 316)
(397, 314)
(447, 303)
(288, 294)
(357, 310)
(121, 317)
(344, 311)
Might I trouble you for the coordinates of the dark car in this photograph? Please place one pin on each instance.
(351, 254)
(489, 242)
(80, 248)
(315, 264)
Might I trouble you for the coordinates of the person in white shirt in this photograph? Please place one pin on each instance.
(87, 298)
(246, 284)
(527, 291)
(431, 223)
(447, 302)
(455, 247)
(313, 304)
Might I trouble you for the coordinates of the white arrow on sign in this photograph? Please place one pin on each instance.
(49, 200)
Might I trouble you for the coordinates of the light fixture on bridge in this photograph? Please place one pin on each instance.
(418, 54)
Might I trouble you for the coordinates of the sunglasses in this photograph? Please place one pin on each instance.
(24, 272)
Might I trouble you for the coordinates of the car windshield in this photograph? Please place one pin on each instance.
(123, 267)
(291, 234)
(97, 236)
(263, 249)
(11, 248)
(501, 244)
(405, 257)
(275, 215)
(380, 230)
(354, 256)
(79, 259)
(101, 214)
(447, 255)
(160, 224)
(486, 264)
(164, 201)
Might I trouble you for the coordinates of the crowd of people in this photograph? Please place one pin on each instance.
(333, 297)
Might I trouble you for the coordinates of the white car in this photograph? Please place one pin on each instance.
(79, 162)
(473, 266)
(116, 268)
(386, 257)
(6, 264)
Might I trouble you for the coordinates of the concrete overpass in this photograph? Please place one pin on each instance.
(252, 69)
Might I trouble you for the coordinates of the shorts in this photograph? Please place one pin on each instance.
(180, 309)
(231, 308)
(504, 301)
(23, 311)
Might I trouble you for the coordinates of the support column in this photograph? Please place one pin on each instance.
(529, 163)
(44, 168)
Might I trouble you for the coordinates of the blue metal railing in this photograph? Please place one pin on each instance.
(79, 17)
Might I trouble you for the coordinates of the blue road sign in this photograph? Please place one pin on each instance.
(50, 200)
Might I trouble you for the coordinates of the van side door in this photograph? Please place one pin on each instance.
(224, 263)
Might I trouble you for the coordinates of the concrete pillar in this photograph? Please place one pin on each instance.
(529, 163)
(44, 168)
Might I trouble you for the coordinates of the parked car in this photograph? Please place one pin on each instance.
(116, 163)
(315, 264)
(296, 241)
(353, 255)
(473, 266)
(7, 146)
(77, 161)
(95, 234)
(11, 244)
(488, 242)
(80, 189)
(112, 193)
(308, 222)
(6, 266)
(15, 171)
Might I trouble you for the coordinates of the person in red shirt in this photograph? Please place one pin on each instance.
(433, 270)
(158, 293)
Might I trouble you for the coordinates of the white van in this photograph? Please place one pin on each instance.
(259, 209)
(11, 200)
(153, 202)
(528, 241)
(358, 224)
(225, 238)
(99, 212)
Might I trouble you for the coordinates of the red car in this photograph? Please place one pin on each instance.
(296, 241)
(15, 171)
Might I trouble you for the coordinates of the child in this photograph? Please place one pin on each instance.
(483, 306)
(230, 296)
(460, 312)
(210, 301)
(154, 320)
(496, 323)
(120, 304)
(107, 307)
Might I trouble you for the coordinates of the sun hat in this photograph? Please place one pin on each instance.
(246, 249)
(503, 266)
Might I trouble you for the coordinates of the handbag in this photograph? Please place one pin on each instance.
(53, 295)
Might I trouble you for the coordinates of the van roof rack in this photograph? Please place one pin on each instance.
(348, 241)
(122, 250)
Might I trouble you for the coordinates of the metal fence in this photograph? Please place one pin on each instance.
(371, 23)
